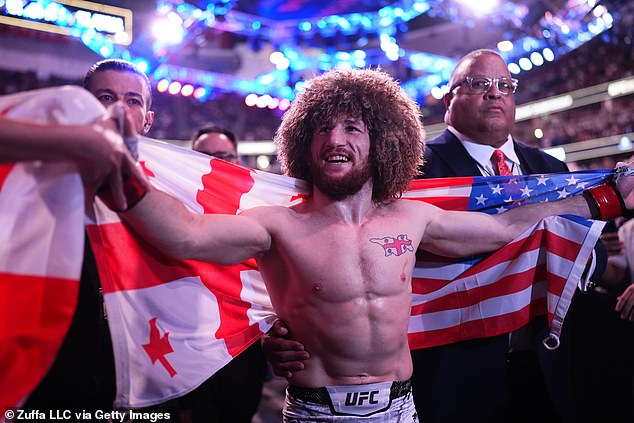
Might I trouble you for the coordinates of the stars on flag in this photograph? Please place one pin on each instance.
(526, 191)
(481, 199)
(497, 194)
(562, 194)
(497, 189)
(541, 180)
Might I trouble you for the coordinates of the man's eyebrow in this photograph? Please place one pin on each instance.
(104, 91)
(354, 121)
(134, 93)
(111, 91)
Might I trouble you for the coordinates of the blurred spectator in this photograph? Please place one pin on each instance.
(217, 142)
(619, 273)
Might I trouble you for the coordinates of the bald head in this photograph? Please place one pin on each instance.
(486, 117)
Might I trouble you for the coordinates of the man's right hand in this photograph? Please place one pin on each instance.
(111, 163)
(286, 356)
(625, 304)
(613, 244)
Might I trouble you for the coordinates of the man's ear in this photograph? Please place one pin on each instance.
(149, 119)
(446, 99)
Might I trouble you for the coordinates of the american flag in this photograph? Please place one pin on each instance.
(497, 194)
(174, 323)
(536, 274)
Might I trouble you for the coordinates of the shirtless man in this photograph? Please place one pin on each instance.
(338, 266)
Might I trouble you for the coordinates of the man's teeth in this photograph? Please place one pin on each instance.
(337, 159)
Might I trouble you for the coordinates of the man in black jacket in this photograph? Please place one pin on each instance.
(496, 379)
(513, 377)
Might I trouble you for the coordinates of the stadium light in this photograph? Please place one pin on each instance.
(187, 90)
(162, 85)
(174, 88)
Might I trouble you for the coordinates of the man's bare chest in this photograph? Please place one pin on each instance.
(355, 259)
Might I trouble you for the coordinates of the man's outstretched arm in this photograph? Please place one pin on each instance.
(165, 223)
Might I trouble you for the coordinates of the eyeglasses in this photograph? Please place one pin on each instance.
(224, 155)
(482, 84)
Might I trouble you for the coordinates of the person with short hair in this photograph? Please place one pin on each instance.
(82, 377)
(217, 142)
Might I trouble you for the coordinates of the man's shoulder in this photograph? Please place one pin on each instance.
(439, 145)
(266, 212)
(441, 139)
(536, 156)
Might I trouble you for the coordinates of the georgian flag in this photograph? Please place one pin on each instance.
(41, 245)
(174, 323)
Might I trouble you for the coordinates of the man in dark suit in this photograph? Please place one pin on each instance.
(513, 377)
(495, 379)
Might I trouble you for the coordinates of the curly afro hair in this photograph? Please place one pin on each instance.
(391, 117)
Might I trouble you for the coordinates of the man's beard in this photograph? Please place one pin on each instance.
(339, 188)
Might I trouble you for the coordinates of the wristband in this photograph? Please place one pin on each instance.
(132, 190)
(592, 205)
(605, 201)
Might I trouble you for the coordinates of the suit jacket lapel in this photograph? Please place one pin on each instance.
(460, 162)
(529, 161)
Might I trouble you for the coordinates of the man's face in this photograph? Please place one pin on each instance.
(487, 117)
(110, 86)
(340, 157)
(216, 145)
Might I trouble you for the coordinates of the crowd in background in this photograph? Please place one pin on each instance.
(180, 116)
(612, 116)
(605, 58)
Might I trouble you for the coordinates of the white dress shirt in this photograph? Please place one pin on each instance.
(482, 153)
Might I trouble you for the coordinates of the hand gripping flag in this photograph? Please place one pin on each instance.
(174, 323)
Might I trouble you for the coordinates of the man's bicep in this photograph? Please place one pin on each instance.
(168, 225)
(459, 234)
(231, 239)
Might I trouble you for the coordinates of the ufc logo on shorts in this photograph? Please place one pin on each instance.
(358, 398)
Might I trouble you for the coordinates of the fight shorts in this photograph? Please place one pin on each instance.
(386, 402)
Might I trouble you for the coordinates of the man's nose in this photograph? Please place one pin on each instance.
(493, 91)
(124, 104)
(337, 137)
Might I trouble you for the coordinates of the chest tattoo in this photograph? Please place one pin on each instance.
(394, 246)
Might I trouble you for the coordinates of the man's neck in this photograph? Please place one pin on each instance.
(354, 208)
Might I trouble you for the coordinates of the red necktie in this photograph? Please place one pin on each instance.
(499, 164)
